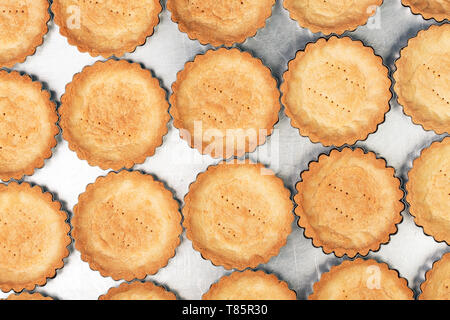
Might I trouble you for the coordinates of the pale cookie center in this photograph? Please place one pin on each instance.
(225, 104)
(108, 14)
(444, 290)
(237, 219)
(435, 80)
(328, 90)
(438, 193)
(224, 107)
(363, 293)
(344, 203)
(112, 115)
(125, 229)
(219, 9)
(13, 19)
(16, 130)
(22, 238)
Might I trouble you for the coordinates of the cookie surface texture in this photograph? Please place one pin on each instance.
(238, 215)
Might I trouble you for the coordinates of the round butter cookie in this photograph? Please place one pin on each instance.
(33, 237)
(430, 9)
(336, 92)
(106, 27)
(126, 225)
(349, 202)
(23, 24)
(250, 285)
(437, 281)
(114, 114)
(27, 125)
(220, 22)
(422, 79)
(138, 291)
(238, 215)
(361, 280)
(225, 103)
(428, 190)
(331, 16)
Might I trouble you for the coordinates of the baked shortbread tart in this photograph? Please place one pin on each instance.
(225, 103)
(238, 215)
(126, 225)
(250, 285)
(430, 9)
(27, 125)
(437, 281)
(33, 237)
(337, 91)
(138, 291)
(349, 202)
(114, 114)
(361, 280)
(331, 16)
(106, 27)
(423, 76)
(428, 190)
(23, 24)
(220, 22)
(28, 296)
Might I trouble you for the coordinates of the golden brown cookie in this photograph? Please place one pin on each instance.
(337, 91)
(33, 237)
(27, 125)
(220, 22)
(361, 280)
(430, 9)
(114, 114)
(23, 24)
(225, 103)
(428, 190)
(423, 78)
(437, 281)
(331, 16)
(138, 291)
(250, 285)
(28, 296)
(349, 202)
(106, 27)
(238, 215)
(126, 225)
